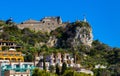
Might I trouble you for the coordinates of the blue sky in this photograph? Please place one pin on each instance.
(103, 15)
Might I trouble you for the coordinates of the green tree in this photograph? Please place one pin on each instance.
(57, 69)
(5, 36)
(101, 72)
(5, 48)
(44, 66)
(114, 69)
(36, 72)
(64, 67)
(69, 73)
(9, 21)
(33, 51)
(52, 68)
(2, 23)
(73, 73)
(29, 57)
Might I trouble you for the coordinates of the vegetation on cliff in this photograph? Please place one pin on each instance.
(88, 57)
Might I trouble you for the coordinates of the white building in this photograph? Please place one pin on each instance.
(58, 58)
(16, 68)
(100, 66)
(86, 71)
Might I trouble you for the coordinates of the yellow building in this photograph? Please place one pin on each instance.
(11, 55)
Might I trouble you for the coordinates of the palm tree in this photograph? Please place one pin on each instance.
(33, 52)
(39, 50)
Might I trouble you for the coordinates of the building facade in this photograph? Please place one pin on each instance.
(58, 58)
(9, 44)
(16, 68)
(14, 73)
(12, 56)
(47, 24)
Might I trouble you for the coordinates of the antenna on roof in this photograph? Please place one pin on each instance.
(85, 20)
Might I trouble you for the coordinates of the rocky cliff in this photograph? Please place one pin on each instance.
(73, 35)
(83, 35)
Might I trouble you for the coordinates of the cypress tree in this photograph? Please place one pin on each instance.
(57, 69)
(44, 66)
(64, 67)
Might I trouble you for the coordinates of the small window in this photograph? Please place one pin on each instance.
(13, 59)
(11, 43)
(4, 54)
(62, 56)
(1, 59)
(62, 60)
(43, 21)
(48, 23)
(17, 66)
(52, 23)
(54, 56)
(83, 36)
(19, 59)
(54, 61)
(67, 57)
(7, 58)
(7, 44)
(17, 54)
(11, 54)
(26, 66)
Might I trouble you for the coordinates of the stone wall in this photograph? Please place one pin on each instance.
(47, 24)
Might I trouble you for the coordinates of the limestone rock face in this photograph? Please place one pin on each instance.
(83, 36)
(73, 35)
(76, 34)
(52, 41)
